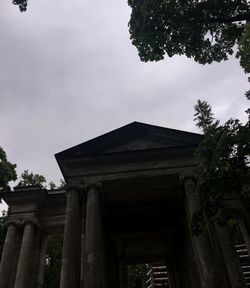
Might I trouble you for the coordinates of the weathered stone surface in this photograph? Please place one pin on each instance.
(25, 259)
(140, 215)
(226, 255)
(94, 240)
(201, 245)
(8, 256)
(70, 271)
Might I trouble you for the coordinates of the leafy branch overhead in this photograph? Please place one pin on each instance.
(204, 30)
(224, 168)
(244, 49)
(22, 4)
(7, 171)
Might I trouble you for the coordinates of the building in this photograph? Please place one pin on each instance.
(129, 199)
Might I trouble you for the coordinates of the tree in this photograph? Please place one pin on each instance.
(53, 261)
(61, 185)
(135, 273)
(22, 4)
(244, 54)
(28, 178)
(205, 30)
(7, 172)
(224, 168)
(244, 49)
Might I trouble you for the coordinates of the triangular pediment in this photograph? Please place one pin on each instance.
(136, 144)
(132, 137)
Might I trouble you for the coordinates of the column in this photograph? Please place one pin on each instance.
(37, 249)
(123, 273)
(93, 239)
(232, 273)
(112, 265)
(245, 234)
(83, 242)
(201, 244)
(25, 256)
(122, 265)
(8, 255)
(41, 260)
(70, 270)
(173, 279)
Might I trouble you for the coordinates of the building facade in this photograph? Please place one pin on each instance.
(129, 199)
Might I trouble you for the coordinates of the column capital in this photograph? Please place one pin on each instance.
(20, 223)
(34, 222)
(188, 176)
(92, 184)
(73, 186)
(70, 269)
(16, 223)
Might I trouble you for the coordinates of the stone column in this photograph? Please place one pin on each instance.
(123, 273)
(173, 280)
(71, 259)
(41, 264)
(83, 233)
(94, 239)
(8, 255)
(112, 266)
(231, 268)
(122, 264)
(38, 259)
(201, 244)
(245, 234)
(25, 256)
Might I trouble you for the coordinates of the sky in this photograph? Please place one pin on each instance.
(69, 73)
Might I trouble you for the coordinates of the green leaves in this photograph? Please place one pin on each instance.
(135, 272)
(203, 115)
(7, 171)
(53, 261)
(204, 30)
(224, 167)
(22, 4)
(28, 178)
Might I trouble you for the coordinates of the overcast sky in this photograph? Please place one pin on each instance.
(68, 73)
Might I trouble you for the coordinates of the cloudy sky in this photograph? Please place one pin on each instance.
(68, 73)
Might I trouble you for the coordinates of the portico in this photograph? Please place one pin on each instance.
(129, 199)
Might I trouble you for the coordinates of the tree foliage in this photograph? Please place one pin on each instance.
(205, 30)
(28, 178)
(7, 171)
(224, 167)
(136, 273)
(22, 4)
(244, 49)
(204, 116)
(53, 261)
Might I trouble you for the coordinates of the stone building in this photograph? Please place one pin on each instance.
(129, 199)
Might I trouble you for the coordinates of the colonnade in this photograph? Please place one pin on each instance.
(78, 217)
(23, 257)
(21, 264)
(83, 257)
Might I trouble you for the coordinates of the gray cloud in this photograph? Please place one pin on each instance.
(69, 73)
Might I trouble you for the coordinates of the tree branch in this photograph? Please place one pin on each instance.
(242, 17)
